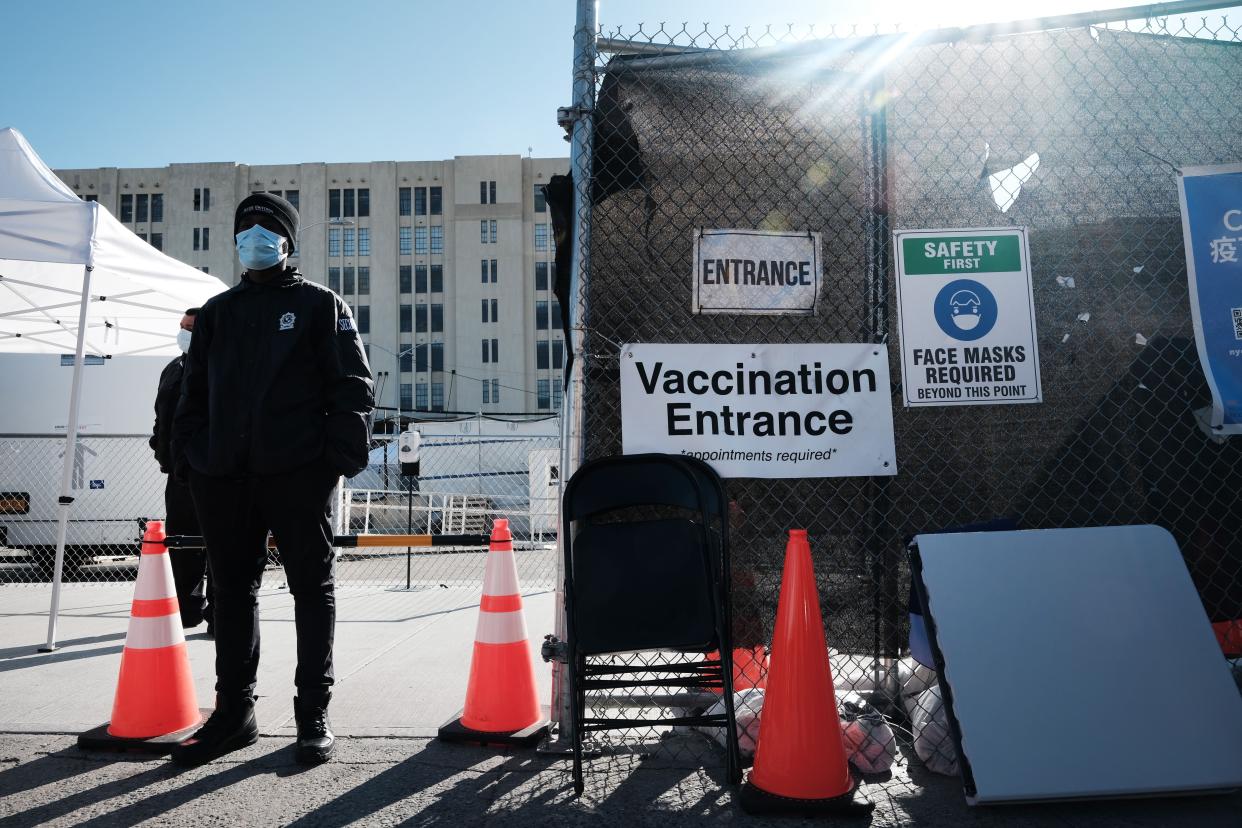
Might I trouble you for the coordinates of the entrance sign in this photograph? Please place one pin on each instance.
(756, 272)
(774, 411)
(1212, 226)
(967, 317)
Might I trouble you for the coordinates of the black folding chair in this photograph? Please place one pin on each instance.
(647, 569)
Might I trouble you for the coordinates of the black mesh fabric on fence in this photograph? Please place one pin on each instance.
(1072, 134)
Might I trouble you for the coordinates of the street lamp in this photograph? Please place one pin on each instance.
(397, 358)
(335, 222)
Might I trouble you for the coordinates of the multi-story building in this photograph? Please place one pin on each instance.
(448, 265)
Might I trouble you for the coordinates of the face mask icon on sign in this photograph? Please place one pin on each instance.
(965, 305)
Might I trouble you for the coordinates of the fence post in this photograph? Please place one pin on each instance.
(572, 416)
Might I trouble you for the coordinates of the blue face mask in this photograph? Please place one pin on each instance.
(259, 248)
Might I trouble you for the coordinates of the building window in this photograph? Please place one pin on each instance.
(483, 270)
(349, 281)
(495, 310)
(334, 203)
(206, 238)
(541, 354)
(487, 192)
(205, 269)
(142, 236)
(127, 208)
(437, 396)
(541, 237)
(493, 271)
(437, 318)
(487, 352)
(436, 199)
(407, 399)
(420, 240)
(403, 241)
(407, 323)
(90, 197)
(484, 310)
(420, 278)
(437, 238)
(420, 399)
(334, 242)
(202, 199)
(541, 202)
(404, 279)
(437, 278)
(420, 201)
(407, 360)
(143, 211)
(556, 394)
(558, 354)
(334, 279)
(157, 207)
(482, 231)
(495, 350)
(557, 324)
(491, 191)
(364, 319)
(347, 197)
(291, 196)
(437, 356)
(364, 202)
(349, 241)
(157, 241)
(364, 281)
(200, 238)
(541, 315)
(420, 351)
(487, 391)
(420, 318)
(364, 241)
(403, 201)
(482, 192)
(543, 393)
(492, 227)
(495, 391)
(541, 275)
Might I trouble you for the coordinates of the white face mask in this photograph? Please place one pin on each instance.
(183, 340)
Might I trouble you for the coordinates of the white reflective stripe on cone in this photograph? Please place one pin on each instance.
(501, 628)
(150, 633)
(500, 574)
(155, 578)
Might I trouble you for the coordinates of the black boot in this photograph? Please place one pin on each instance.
(230, 727)
(315, 740)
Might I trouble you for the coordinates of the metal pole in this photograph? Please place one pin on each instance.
(409, 524)
(66, 472)
(572, 422)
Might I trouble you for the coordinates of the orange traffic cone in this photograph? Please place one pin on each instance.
(800, 764)
(155, 703)
(502, 706)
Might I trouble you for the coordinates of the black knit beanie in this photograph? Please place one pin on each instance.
(272, 206)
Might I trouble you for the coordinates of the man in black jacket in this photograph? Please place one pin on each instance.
(274, 409)
(188, 565)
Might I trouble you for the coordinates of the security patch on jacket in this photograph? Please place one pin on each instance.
(345, 324)
(286, 321)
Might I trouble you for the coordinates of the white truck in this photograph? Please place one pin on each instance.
(115, 480)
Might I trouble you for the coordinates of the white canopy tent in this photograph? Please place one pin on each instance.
(73, 278)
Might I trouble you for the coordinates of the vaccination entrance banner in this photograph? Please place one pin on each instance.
(967, 317)
(1212, 226)
(756, 272)
(774, 411)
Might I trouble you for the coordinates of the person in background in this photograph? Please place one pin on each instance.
(188, 565)
(274, 409)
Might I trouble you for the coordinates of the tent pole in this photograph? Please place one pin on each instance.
(71, 439)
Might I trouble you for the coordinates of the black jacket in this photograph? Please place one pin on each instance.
(165, 407)
(276, 379)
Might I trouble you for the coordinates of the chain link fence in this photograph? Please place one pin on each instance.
(1073, 133)
(473, 470)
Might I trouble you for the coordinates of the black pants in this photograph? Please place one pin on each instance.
(236, 515)
(188, 565)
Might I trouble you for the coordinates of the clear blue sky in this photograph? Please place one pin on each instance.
(132, 83)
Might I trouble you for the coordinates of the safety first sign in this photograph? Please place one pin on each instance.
(756, 272)
(967, 317)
